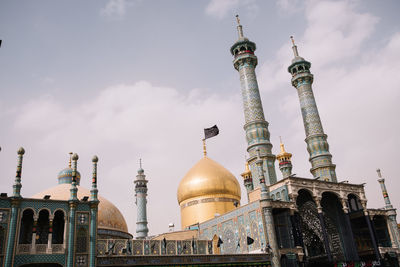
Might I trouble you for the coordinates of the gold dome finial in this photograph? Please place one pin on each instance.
(282, 145)
(204, 148)
(70, 159)
(283, 155)
(247, 172)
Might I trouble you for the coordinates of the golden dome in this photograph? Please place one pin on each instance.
(208, 177)
(206, 190)
(109, 217)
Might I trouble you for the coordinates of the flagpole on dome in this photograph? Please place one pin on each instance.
(204, 148)
(208, 133)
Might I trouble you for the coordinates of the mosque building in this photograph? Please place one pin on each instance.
(296, 221)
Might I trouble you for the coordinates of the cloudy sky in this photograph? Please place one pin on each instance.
(130, 79)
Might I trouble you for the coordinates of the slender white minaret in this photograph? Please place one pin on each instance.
(141, 203)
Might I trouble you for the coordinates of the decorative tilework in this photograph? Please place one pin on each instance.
(317, 145)
(3, 216)
(44, 258)
(83, 218)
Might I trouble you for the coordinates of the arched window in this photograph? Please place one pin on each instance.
(58, 227)
(354, 203)
(300, 68)
(242, 48)
(25, 232)
(278, 196)
(42, 233)
(294, 70)
(81, 241)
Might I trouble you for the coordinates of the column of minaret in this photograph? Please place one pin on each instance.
(391, 213)
(141, 203)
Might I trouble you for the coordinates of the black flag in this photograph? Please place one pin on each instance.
(250, 240)
(0, 42)
(164, 242)
(219, 242)
(210, 132)
(193, 242)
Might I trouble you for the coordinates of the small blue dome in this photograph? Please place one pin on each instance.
(65, 176)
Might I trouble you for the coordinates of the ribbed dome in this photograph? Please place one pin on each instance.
(208, 177)
(65, 176)
(109, 216)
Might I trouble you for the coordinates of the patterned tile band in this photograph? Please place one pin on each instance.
(206, 200)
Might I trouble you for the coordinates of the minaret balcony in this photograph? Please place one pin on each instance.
(40, 249)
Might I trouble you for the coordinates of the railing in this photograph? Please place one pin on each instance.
(40, 249)
(57, 248)
(24, 248)
(125, 247)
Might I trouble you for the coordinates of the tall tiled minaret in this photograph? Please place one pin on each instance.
(256, 126)
(392, 221)
(141, 203)
(317, 144)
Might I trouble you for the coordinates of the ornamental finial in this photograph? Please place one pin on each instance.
(379, 173)
(238, 19)
(294, 47)
(204, 148)
(239, 28)
(70, 159)
(140, 163)
(282, 145)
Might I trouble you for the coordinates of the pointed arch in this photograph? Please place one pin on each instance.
(26, 227)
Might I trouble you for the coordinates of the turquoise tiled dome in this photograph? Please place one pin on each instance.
(65, 176)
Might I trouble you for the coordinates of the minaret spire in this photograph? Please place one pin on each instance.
(17, 184)
(384, 191)
(294, 47)
(239, 28)
(317, 144)
(256, 127)
(94, 202)
(141, 203)
(74, 189)
(390, 212)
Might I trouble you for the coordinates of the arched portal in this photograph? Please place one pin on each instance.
(42, 233)
(310, 224)
(382, 233)
(58, 227)
(338, 228)
(334, 222)
(25, 232)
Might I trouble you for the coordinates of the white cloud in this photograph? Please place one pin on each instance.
(289, 6)
(122, 124)
(221, 8)
(348, 77)
(116, 8)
